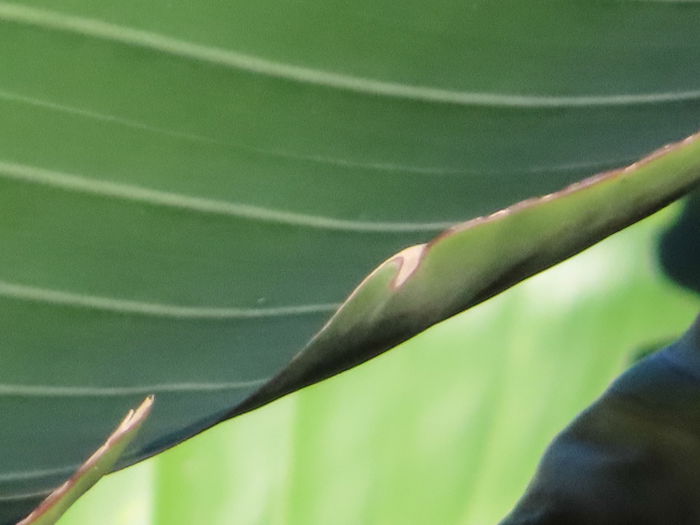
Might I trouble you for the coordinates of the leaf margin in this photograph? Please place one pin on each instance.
(400, 274)
(97, 465)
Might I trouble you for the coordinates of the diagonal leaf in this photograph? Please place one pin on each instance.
(474, 261)
(467, 407)
(90, 472)
(195, 186)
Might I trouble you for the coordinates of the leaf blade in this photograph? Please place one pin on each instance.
(115, 109)
(476, 260)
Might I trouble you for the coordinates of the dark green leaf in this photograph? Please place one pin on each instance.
(472, 262)
(680, 246)
(447, 428)
(193, 186)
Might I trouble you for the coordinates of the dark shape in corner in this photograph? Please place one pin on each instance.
(631, 458)
(646, 350)
(679, 246)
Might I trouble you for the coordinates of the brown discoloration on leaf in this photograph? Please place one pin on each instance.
(568, 190)
(417, 256)
(130, 424)
(409, 260)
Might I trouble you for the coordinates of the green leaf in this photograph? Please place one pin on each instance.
(633, 456)
(194, 187)
(90, 472)
(446, 429)
(472, 262)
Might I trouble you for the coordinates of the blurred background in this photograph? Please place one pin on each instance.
(447, 428)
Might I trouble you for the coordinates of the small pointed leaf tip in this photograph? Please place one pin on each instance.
(97, 465)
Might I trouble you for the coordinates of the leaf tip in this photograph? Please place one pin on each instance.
(408, 261)
(98, 464)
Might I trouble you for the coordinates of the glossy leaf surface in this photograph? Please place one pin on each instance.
(194, 186)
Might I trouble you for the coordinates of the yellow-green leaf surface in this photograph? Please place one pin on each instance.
(193, 187)
(90, 472)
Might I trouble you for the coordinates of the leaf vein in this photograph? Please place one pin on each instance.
(129, 192)
(118, 391)
(121, 306)
(388, 167)
(304, 75)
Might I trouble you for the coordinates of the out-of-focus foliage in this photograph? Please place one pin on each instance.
(633, 455)
(446, 429)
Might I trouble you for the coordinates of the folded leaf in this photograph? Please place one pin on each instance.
(90, 472)
(471, 262)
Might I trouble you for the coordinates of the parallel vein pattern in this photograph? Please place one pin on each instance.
(119, 306)
(197, 204)
(227, 58)
(188, 189)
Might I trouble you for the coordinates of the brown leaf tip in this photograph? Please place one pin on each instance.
(408, 260)
(131, 422)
